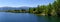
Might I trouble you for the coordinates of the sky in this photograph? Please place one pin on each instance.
(19, 3)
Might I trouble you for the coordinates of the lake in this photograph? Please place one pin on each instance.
(25, 17)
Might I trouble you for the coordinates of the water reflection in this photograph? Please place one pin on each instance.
(53, 19)
(48, 19)
(26, 17)
(57, 19)
(41, 19)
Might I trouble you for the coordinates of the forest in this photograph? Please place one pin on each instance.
(44, 10)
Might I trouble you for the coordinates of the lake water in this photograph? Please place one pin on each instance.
(25, 17)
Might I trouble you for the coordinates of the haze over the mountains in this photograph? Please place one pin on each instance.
(14, 8)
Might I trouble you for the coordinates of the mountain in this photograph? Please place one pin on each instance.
(14, 8)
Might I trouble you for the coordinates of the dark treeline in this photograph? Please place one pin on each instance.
(45, 10)
(50, 9)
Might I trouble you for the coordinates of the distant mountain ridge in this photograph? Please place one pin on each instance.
(14, 8)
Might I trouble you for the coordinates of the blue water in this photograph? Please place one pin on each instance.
(25, 17)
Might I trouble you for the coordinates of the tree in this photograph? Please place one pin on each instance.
(56, 5)
(30, 10)
(49, 9)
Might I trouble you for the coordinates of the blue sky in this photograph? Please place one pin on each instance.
(19, 3)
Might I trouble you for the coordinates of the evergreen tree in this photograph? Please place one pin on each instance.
(49, 9)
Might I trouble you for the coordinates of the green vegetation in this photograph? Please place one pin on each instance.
(45, 10)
